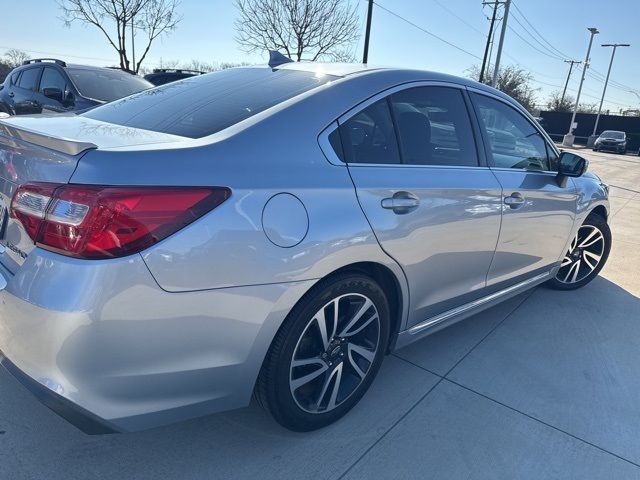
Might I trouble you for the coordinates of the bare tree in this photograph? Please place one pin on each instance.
(115, 18)
(303, 29)
(15, 57)
(515, 82)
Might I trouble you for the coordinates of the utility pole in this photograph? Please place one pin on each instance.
(604, 90)
(569, 138)
(572, 63)
(489, 37)
(367, 35)
(133, 45)
(494, 80)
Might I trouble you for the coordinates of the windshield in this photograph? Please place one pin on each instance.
(612, 134)
(203, 105)
(106, 85)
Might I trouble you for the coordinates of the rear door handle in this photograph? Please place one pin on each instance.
(11, 94)
(515, 200)
(401, 202)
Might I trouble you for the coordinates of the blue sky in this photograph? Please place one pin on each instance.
(206, 33)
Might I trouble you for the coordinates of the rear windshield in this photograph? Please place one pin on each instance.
(203, 105)
(106, 85)
(613, 134)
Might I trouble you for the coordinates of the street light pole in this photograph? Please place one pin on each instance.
(569, 138)
(604, 90)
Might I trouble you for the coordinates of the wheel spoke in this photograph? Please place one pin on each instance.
(366, 306)
(325, 332)
(363, 352)
(353, 363)
(593, 237)
(566, 261)
(586, 255)
(573, 269)
(298, 382)
(336, 372)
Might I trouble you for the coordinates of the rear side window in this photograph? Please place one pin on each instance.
(434, 127)
(203, 105)
(369, 136)
(29, 79)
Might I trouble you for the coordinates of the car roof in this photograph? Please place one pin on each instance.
(349, 69)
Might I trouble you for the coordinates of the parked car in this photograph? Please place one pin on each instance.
(51, 85)
(612, 141)
(162, 76)
(272, 232)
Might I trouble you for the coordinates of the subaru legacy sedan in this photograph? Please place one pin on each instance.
(272, 232)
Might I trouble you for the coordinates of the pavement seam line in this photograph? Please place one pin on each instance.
(404, 415)
(604, 450)
(440, 379)
(498, 325)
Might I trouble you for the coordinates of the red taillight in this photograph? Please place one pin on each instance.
(102, 222)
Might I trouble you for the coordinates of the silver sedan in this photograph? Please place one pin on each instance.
(272, 231)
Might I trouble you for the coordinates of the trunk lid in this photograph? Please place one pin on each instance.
(48, 149)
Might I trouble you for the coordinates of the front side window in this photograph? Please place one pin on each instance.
(52, 78)
(29, 79)
(433, 127)
(369, 136)
(513, 140)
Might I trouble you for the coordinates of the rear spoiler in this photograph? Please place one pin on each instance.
(63, 145)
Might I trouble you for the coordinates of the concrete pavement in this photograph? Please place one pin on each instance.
(545, 385)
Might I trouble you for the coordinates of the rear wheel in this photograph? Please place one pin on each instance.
(587, 254)
(326, 354)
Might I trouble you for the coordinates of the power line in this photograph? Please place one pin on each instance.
(563, 55)
(447, 9)
(531, 45)
(548, 52)
(424, 30)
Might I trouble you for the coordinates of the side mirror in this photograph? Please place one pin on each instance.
(571, 165)
(53, 93)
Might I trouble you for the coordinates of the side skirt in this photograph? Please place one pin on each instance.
(466, 310)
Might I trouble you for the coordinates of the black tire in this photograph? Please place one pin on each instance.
(273, 388)
(600, 224)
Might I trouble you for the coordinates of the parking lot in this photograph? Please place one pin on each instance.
(545, 385)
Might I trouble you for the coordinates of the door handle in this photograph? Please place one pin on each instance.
(515, 200)
(401, 202)
(11, 94)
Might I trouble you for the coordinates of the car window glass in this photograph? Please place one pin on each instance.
(14, 78)
(369, 136)
(203, 105)
(52, 78)
(434, 127)
(513, 141)
(29, 79)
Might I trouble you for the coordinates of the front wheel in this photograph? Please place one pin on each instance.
(587, 254)
(326, 354)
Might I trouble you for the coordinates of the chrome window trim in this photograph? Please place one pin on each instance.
(528, 117)
(325, 145)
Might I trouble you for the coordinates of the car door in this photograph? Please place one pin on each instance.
(52, 79)
(24, 91)
(432, 206)
(538, 211)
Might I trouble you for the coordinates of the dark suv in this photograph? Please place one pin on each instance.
(50, 85)
(160, 76)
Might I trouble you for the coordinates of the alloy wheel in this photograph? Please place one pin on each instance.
(334, 353)
(584, 255)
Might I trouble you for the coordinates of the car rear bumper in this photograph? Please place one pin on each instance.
(103, 345)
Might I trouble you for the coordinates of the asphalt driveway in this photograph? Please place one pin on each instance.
(545, 385)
